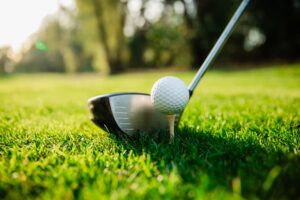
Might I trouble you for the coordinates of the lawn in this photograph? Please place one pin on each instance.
(239, 138)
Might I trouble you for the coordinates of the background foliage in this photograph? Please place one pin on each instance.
(111, 36)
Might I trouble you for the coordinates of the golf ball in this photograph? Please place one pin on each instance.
(169, 95)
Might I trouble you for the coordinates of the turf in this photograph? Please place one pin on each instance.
(238, 138)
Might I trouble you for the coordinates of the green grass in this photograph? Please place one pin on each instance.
(238, 138)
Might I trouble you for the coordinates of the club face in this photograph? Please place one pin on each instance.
(128, 113)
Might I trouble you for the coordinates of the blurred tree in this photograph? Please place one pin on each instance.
(112, 35)
(205, 21)
(35, 60)
(6, 64)
(110, 18)
(167, 44)
(137, 46)
(57, 47)
(45, 54)
(278, 21)
(257, 37)
(157, 34)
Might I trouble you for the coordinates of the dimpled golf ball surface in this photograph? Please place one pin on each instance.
(169, 95)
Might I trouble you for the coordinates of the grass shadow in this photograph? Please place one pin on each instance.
(266, 173)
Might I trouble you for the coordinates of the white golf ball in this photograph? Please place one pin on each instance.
(169, 95)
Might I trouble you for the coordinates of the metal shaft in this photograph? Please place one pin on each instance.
(218, 46)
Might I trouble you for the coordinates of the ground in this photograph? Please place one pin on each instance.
(238, 138)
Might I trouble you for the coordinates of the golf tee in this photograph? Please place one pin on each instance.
(171, 120)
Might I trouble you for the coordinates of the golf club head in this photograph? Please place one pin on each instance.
(128, 113)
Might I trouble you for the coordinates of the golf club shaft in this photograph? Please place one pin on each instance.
(218, 46)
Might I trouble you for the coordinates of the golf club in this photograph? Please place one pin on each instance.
(130, 113)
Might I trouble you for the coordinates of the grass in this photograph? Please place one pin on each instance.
(238, 138)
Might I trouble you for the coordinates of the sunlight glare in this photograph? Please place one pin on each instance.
(20, 19)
